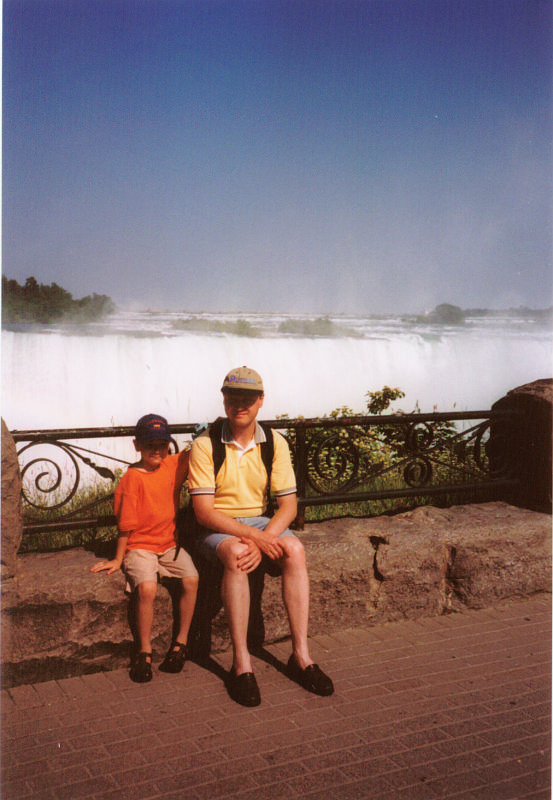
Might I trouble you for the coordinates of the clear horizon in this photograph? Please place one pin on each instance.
(330, 157)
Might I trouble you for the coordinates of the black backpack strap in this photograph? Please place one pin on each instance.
(267, 455)
(218, 447)
(268, 451)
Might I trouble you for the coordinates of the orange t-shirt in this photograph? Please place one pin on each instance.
(146, 504)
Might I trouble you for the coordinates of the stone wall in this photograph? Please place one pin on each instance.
(60, 619)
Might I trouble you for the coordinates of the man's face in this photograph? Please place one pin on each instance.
(242, 408)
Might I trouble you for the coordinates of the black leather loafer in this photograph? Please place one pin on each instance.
(243, 689)
(312, 678)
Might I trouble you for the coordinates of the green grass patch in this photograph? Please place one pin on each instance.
(92, 501)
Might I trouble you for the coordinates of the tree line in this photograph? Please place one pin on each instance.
(38, 302)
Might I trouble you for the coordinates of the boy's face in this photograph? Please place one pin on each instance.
(152, 453)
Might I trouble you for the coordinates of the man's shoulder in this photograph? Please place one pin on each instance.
(280, 440)
(201, 444)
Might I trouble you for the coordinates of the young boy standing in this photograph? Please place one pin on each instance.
(146, 504)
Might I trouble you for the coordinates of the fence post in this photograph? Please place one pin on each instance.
(301, 472)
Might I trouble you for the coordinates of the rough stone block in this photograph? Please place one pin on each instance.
(58, 618)
(12, 512)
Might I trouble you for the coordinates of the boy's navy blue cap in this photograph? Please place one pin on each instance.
(152, 428)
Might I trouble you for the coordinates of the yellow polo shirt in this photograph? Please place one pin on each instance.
(240, 488)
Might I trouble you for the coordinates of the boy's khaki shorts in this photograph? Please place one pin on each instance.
(143, 565)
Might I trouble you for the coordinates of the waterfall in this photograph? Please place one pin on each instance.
(66, 379)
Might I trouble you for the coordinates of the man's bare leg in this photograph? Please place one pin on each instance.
(236, 601)
(295, 593)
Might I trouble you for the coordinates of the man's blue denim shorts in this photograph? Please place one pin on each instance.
(210, 541)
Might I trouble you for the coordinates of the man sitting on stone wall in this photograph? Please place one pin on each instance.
(231, 507)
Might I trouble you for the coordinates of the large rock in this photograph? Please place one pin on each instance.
(12, 513)
(488, 552)
(58, 618)
(522, 448)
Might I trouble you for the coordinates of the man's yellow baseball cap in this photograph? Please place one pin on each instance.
(243, 379)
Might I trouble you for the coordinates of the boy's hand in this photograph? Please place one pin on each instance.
(110, 566)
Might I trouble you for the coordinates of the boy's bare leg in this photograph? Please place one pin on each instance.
(187, 603)
(146, 593)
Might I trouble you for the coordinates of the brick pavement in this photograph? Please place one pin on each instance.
(447, 707)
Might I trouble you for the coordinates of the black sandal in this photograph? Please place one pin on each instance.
(141, 670)
(175, 658)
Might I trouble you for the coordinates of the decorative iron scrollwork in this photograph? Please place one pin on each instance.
(424, 454)
(332, 461)
(368, 459)
(51, 482)
(418, 472)
(419, 436)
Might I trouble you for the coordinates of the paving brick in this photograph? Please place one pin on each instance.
(346, 738)
(50, 692)
(415, 703)
(142, 791)
(229, 787)
(449, 784)
(368, 787)
(285, 755)
(282, 773)
(25, 697)
(184, 750)
(82, 789)
(506, 733)
(309, 781)
(117, 763)
(16, 789)
(51, 779)
(21, 772)
(370, 768)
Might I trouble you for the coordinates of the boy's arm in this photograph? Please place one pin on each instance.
(182, 468)
(115, 563)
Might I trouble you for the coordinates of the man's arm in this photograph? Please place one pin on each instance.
(208, 516)
(286, 513)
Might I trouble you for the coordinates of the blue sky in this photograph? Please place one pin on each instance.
(258, 155)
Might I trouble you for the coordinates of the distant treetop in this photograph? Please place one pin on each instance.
(37, 302)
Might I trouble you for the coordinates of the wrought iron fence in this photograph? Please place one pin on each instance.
(338, 461)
